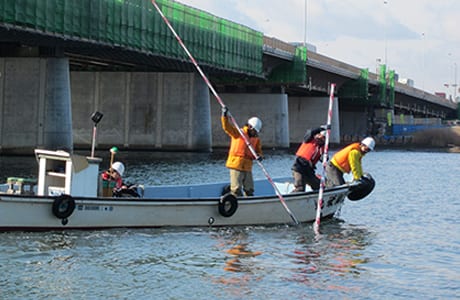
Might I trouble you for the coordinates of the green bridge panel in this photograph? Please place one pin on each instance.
(292, 72)
(387, 87)
(391, 92)
(135, 24)
(356, 90)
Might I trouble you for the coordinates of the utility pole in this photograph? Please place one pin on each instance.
(305, 25)
(385, 2)
(455, 82)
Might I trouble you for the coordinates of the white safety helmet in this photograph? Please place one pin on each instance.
(119, 167)
(255, 123)
(369, 142)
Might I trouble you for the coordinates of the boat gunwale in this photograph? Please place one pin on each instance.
(251, 199)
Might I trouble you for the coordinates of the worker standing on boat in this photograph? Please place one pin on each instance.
(307, 156)
(240, 158)
(348, 160)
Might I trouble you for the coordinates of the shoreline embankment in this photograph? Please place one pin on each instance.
(446, 138)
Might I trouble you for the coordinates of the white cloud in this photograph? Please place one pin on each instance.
(421, 36)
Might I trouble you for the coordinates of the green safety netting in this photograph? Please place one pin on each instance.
(386, 96)
(391, 89)
(383, 84)
(356, 90)
(292, 72)
(136, 24)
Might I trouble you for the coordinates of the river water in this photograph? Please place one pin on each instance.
(401, 242)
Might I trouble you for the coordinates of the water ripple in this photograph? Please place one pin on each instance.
(401, 242)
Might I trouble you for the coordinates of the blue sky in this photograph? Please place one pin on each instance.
(420, 39)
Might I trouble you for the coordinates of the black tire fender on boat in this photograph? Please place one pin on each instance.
(228, 204)
(365, 186)
(63, 206)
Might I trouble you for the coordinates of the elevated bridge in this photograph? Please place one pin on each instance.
(129, 37)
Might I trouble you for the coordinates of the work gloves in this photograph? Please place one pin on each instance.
(224, 111)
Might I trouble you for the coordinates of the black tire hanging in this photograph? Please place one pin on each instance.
(228, 204)
(63, 206)
(364, 188)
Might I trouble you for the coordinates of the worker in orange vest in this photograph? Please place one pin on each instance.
(307, 156)
(240, 158)
(348, 160)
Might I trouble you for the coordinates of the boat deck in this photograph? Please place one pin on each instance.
(194, 191)
(213, 190)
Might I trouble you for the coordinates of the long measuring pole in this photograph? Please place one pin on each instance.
(222, 104)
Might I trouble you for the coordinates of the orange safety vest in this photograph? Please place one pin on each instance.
(238, 146)
(310, 151)
(340, 159)
(239, 155)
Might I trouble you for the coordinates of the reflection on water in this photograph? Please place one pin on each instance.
(321, 263)
(338, 252)
(238, 248)
(237, 263)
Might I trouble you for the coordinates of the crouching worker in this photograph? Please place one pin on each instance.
(348, 160)
(307, 156)
(240, 158)
(113, 185)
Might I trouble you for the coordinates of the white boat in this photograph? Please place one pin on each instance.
(67, 195)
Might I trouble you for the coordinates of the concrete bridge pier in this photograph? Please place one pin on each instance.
(358, 123)
(35, 108)
(311, 112)
(163, 111)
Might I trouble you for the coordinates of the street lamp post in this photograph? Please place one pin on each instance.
(378, 62)
(305, 25)
(385, 30)
(423, 61)
(455, 82)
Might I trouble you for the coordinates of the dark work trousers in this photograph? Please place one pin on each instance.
(334, 176)
(303, 174)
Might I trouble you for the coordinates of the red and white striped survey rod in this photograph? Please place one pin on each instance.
(325, 154)
(222, 104)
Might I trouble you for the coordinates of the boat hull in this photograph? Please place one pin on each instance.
(30, 212)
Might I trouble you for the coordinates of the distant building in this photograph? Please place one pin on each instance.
(407, 81)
